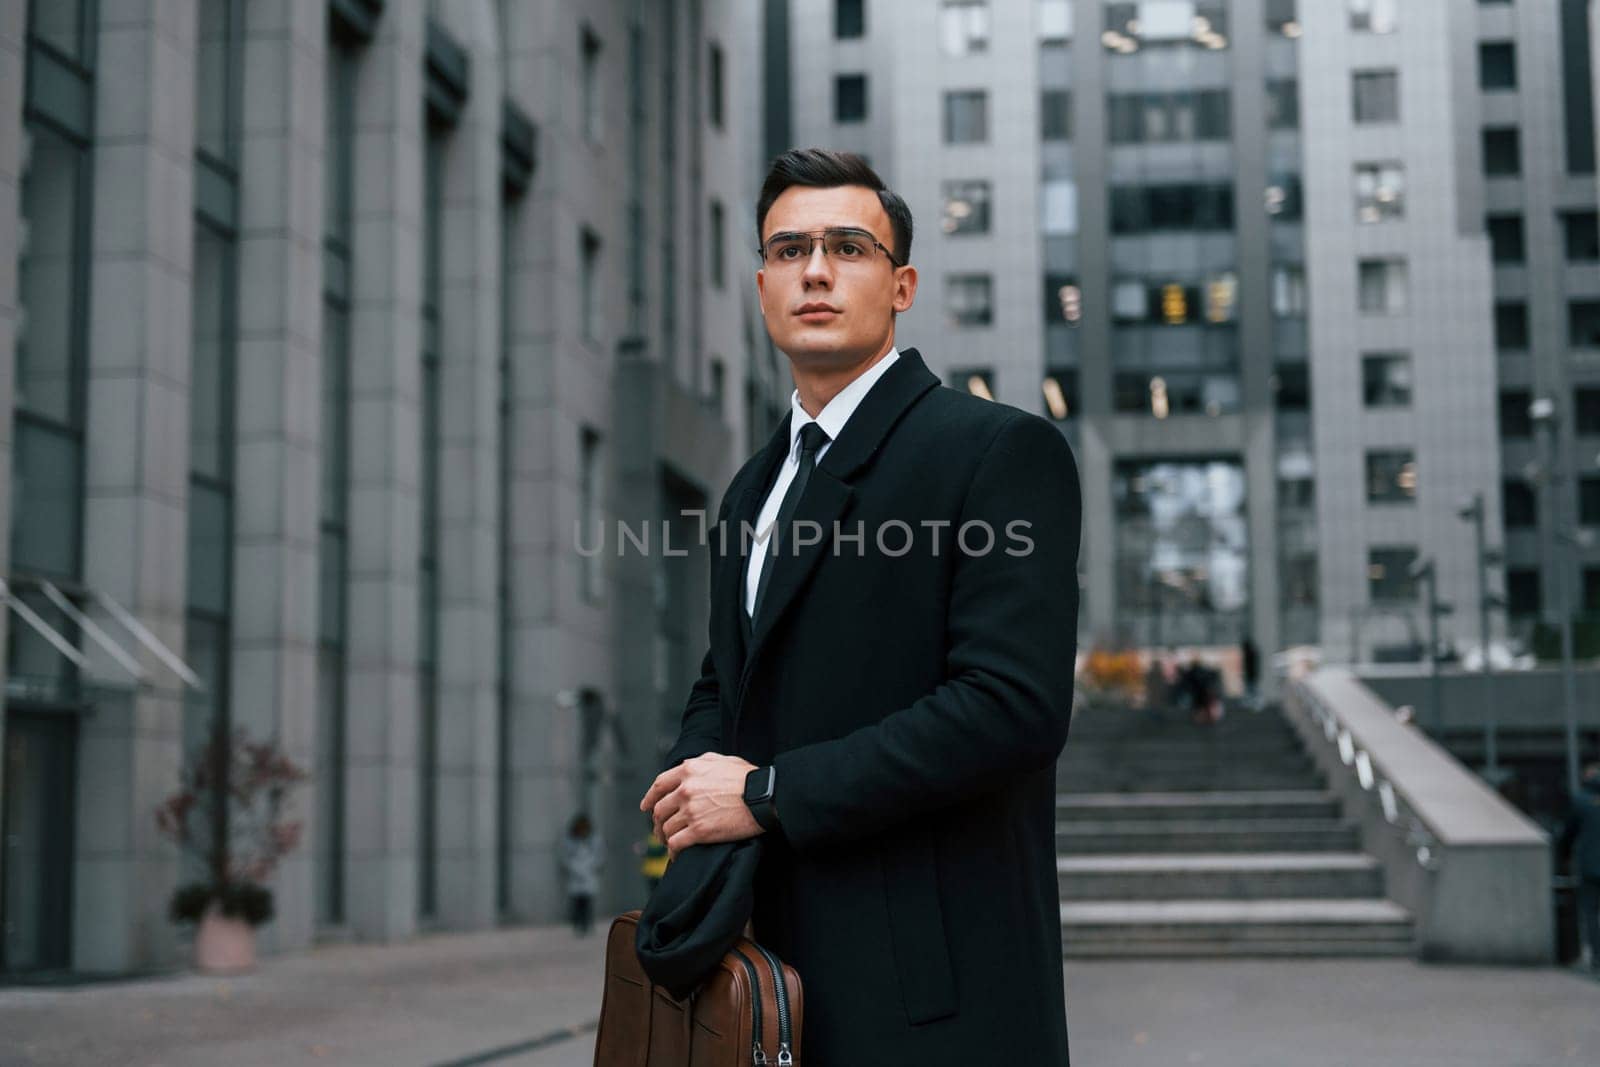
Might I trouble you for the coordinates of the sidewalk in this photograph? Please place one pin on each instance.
(528, 998)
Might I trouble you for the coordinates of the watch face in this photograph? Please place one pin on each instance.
(758, 785)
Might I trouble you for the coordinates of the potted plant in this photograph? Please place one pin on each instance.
(229, 813)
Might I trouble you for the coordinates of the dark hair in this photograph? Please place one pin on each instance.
(823, 168)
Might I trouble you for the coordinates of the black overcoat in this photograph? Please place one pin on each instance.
(913, 687)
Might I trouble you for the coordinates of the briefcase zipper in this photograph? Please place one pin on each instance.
(758, 1055)
(785, 1057)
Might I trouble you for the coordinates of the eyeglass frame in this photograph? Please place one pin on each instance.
(818, 235)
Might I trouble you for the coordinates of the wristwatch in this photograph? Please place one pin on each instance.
(760, 796)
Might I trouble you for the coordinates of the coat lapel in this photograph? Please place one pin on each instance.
(828, 495)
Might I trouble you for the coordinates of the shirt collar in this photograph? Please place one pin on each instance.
(838, 410)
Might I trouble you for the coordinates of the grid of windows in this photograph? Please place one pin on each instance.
(1154, 118)
(1187, 206)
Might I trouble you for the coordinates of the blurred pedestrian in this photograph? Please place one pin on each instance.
(1582, 837)
(581, 860)
(655, 858)
(1250, 665)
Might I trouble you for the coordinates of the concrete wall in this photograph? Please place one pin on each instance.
(1473, 870)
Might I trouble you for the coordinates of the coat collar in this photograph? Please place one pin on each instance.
(827, 496)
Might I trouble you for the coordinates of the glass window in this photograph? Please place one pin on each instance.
(1511, 325)
(966, 116)
(1497, 65)
(50, 264)
(1391, 476)
(1289, 291)
(979, 381)
(714, 76)
(1522, 591)
(964, 26)
(589, 285)
(61, 24)
(209, 414)
(1130, 301)
(1591, 589)
(1283, 104)
(1168, 23)
(1581, 230)
(1376, 96)
(1060, 388)
(969, 299)
(1284, 201)
(850, 98)
(1505, 238)
(1519, 504)
(1389, 573)
(1382, 286)
(1583, 323)
(1386, 380)
(1373, 16)
(1515, 422)
(1291, 387)
(966, 207)
(1589, 500)
(1380, 191)
(1182, 549)
(1055, 22)
(1281, 18)
(1586, 410)
(1502, 151)
(590, 512)
(589, 49)
(1063, 300)
(1059, 206)
(1055, 115)
(1151, 208)
(849, 18)
(46, 500)
(215, 61)
(719, 243)
(1149, 118)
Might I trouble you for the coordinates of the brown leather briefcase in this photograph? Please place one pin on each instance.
(748, 1012)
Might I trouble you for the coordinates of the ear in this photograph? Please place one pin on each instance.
(761, 283)
(905, 288)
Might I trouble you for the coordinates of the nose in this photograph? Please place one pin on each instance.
(818, 270)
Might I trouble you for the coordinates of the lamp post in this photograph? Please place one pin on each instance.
(1487, 557)
(1552, 474)
(1423, 569)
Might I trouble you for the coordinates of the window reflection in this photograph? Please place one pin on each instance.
(1182, 548)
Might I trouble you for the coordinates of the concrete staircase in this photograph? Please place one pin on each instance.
(1180, 840)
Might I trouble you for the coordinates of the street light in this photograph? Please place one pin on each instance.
(1544, 416)
(1423, 569)
(1473, 512)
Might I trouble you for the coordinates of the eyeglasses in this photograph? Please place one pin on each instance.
(844, 245)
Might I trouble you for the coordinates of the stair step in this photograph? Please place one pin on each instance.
(1086, 837)
(1250, 876)
(1190, 782)
(1251, 804)
(1321, 922)
(1263, 948)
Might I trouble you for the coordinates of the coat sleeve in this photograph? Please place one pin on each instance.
(701, 731)
(1005, 705)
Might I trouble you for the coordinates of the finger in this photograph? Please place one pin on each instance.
(680, 840)
(665, 783)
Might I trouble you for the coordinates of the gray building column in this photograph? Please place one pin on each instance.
(561, 384)
(137, 471)
(13, 20)
(273, 694)
(469, 491)
(385, 436)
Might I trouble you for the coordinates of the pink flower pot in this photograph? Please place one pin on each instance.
(223, 945)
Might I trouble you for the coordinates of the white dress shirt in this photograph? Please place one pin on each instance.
(832, 419)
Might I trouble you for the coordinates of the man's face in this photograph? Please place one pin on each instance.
(825, 311)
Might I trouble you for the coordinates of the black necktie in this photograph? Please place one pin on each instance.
(812, 437)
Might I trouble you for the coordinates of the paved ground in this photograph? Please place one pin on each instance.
(527, 998)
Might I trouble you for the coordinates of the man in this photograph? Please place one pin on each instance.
(888, 689)
(1582, 837)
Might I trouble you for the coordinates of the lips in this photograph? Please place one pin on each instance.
(816, 312)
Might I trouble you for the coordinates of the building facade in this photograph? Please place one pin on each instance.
(1275, 270)
(337, 338)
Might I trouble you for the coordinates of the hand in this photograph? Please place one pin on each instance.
(701, 802)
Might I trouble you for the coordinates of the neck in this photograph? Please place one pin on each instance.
(819, 385)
